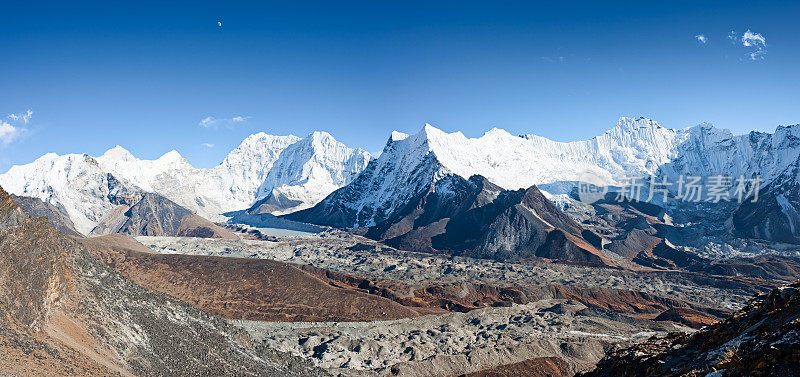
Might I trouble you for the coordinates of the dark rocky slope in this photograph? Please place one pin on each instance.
(763, 339)
(57, 214)
(154, 215)
(64, 313)
(775, 216)
(479, 219)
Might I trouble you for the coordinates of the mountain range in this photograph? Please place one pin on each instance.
(319, 180)
(635, 147)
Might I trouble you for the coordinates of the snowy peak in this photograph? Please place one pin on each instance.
(397, 136)
(306, 172)
(77, 182)
(631, 123)
(171, 157)
(258, 151)
(498, 133)
(411, 164)
(707, 150)
(117, 153)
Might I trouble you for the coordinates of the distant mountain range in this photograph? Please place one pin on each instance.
(319, 180)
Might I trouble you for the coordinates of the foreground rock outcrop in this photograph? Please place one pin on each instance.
(763, 339)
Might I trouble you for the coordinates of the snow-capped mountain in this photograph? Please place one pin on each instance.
(635, 147)
(306, 172)
(229, 186)
(76, 182)
(87, 187)
(409, 164)
(405, 168)
(708, 151)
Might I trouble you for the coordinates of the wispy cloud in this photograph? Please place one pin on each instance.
(16, 128)
(757, 41)
(25, 117)
(701, 38)
(208, 145)
(753, 41)
(212, 122)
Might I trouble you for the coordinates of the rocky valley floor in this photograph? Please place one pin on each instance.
(472, 315)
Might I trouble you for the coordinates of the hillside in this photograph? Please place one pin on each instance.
(64, 312)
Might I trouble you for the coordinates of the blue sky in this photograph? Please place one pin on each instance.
(146, 74)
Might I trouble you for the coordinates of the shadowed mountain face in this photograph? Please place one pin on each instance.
(155, 215)
(776, 214)
(62, 312)
(477, 218)
(56, 213)
(763, 339)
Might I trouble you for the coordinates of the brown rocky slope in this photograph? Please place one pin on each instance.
(242, 288)
(64, 313)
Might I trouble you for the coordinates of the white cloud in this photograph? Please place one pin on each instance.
(207, 122)
(7, 133)
(754, 41)
(701, 38)
(16, 128)
(212, 122)
(208, 145)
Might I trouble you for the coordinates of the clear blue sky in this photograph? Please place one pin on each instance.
(144, 74)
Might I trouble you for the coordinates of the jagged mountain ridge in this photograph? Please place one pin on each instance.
(154, 215)
(76, 182)
(259, 172)
(303, 170)
(57, 215)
